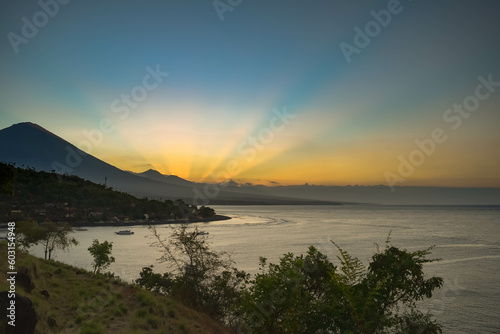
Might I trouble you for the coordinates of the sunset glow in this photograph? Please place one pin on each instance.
(184, 93)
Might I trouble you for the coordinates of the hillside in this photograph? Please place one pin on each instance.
(32, 146)
(77, 301)
(29, 145)
(43, 195)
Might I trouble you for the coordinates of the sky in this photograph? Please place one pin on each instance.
(266, 92)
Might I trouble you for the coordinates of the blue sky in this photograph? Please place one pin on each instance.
(352, 120)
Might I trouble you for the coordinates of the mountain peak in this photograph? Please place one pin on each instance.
(151, 172)
(156, 175)
(232, 183)
(29, 127)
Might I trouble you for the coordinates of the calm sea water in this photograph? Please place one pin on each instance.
(466, 238)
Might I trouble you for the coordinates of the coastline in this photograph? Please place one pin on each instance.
(143, 222)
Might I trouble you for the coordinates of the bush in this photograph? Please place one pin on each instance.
(201, 278)
(301, 294)
(309, 294)
(101, 253)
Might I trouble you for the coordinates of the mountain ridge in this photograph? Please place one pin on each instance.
(33, 146)
(28, 144)
(156, 175)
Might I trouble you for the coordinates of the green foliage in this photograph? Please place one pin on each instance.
(145, 299)
(7, 175)
(301, 294)
(51, 235)
(289, 297)
(201, 278)
(160, 283)
(121, 310)
(43, 196)
(206, 212)
(92, 328)
(101, 252)
(309, 294)
(28, 233)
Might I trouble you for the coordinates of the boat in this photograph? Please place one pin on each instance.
(79, 229)
(124, 232)
(202, 233)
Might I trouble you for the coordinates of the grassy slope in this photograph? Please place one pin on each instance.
(81, 302)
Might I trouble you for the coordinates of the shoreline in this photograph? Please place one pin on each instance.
(152, 222)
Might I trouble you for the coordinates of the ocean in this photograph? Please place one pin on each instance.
(467, 239)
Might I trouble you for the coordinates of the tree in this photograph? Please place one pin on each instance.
(51, 235)
(200, 277)
(7, 176)
(101, 253)
(182, 210)
(309, 294)
(28, 233)
(206, 212)
(289, 297)
(155, 282)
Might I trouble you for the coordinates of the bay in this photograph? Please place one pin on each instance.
(467, 239)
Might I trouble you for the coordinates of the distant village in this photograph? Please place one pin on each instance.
(41, 196)
(75, 216)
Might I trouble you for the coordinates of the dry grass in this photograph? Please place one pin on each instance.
(81, 302)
